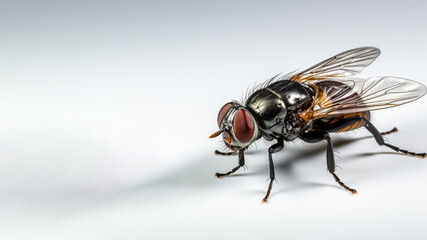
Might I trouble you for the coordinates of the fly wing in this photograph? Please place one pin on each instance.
(360, 95)
(340, 66)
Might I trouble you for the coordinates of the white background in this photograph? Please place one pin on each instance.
(105, 110)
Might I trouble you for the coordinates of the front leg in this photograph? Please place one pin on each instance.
(273, 149)
(241, 164)
(225, 153)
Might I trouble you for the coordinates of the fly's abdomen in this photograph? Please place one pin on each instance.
(340, 123)
(329, 92)
(340, 118)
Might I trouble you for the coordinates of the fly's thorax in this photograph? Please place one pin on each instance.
(238, 125)
(294, 94)
(293, 126)
(267, 107)
(274, 108)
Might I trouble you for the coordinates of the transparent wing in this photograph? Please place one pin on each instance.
(359, 95)
(343, 65)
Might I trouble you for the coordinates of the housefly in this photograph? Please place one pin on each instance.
(310, 105)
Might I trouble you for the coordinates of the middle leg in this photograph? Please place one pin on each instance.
(317, 136)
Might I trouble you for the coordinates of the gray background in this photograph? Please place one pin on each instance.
(105, 110)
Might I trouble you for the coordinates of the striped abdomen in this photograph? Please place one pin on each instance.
(340, 118)
(328, 93)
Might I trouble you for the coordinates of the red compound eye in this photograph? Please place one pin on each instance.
(244, 126)
(224, 110)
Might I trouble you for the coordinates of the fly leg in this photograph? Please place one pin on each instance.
(241, 164)
(273, 149)
(317, 136)
(380, 140)
(388, 132)
(373, 130)
(233, 152)
(225, 153)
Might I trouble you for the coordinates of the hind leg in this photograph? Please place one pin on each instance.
(373, 130)
(380, 140)
(391, 131)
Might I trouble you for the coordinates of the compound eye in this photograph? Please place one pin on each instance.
(244, 126)
(224, 110)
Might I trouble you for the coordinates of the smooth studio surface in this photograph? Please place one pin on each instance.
(106, 109)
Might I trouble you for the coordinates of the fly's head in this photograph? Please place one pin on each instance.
(237, 125)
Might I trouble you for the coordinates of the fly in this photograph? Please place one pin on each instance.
(310, 105)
